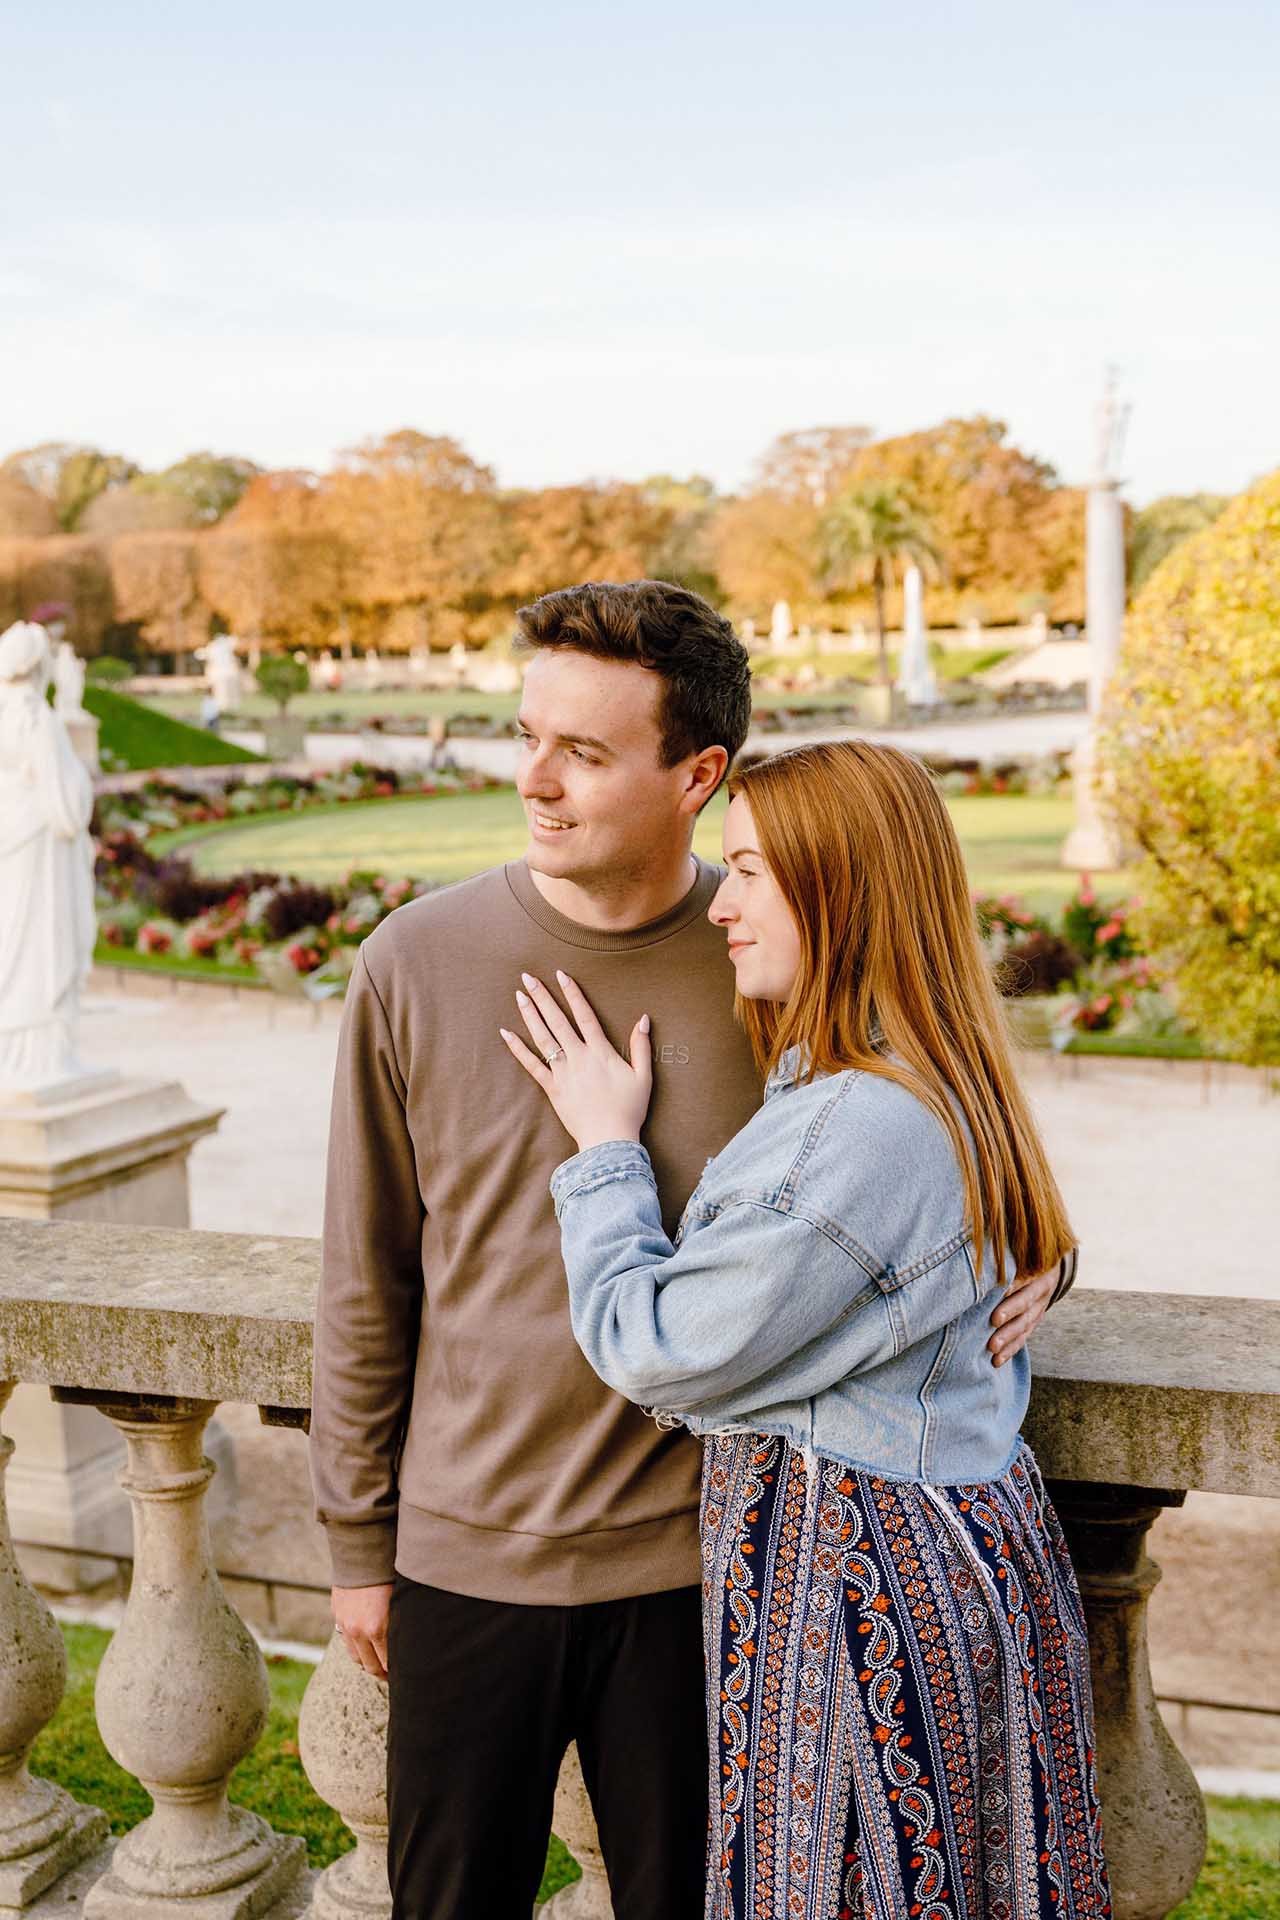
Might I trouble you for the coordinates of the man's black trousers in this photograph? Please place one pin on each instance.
(485, 1696)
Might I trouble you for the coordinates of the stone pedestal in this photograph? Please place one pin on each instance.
(104, 1147)
(1153, 1819)
(1091, 846)
(100, 1147)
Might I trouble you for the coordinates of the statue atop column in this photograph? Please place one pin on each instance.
(47, 921)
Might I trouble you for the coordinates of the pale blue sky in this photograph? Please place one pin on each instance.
(589, 241)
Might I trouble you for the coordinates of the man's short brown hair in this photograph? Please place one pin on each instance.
(706, 694)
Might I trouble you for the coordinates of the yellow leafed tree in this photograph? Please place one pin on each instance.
(1191, 749)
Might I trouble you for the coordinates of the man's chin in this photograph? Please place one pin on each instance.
(556, 862)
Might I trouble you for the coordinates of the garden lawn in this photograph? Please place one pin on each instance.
(1241, 1878)
(271, 1781)
(132, 735)
(1011, 841)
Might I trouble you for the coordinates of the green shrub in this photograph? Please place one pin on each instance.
(1190, 756)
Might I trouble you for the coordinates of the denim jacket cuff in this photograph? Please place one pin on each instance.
(599, 1167)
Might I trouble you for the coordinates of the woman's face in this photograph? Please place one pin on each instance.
(764, 941)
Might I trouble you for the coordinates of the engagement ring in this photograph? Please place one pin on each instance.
(557, 1053)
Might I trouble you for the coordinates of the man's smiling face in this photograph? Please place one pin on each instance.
(600, 805)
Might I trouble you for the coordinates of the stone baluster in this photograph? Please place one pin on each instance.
(588, 1898)
(182, 1693)
(342, 1737)
(43, 1831)
(1153, 1819)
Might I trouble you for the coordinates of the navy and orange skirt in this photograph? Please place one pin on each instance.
(902, 1727)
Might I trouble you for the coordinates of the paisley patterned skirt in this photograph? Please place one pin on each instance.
(900, 1717)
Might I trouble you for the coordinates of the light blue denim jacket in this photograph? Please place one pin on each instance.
(820, 1286)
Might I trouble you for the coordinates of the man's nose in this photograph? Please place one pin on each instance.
(536, 779)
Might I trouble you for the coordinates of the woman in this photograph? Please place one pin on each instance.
(898, 1678)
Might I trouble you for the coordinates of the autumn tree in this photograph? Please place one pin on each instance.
(683, 553)
(868, 533)
(992, 507)
(66, 569)
(432, 460)
(197, 491)
(811, 463)
(69, 476)
(1159, 528)
(23, 511)
(763, 548)
(1190, 753)
(561, 535)
(156, 581)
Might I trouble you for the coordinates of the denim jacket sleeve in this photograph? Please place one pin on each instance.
(756, 1295)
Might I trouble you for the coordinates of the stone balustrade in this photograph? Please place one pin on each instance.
(1138, 1398)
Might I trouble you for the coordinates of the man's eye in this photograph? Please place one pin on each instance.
(586, 758)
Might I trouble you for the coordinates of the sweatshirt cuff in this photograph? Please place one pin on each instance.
(362, 1553)
(599, 1167)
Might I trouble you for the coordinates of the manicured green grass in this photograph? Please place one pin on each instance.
(1241, 1878)
(1180, 1046)
(271, 1781)
(133, 735)
(173, 964)
(1010, 841)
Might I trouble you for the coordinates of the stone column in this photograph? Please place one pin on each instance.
(573, 1820)
(1091, 846)
(342, 1736)
(182, 1692)
(43, 1831)
(1153, 1819)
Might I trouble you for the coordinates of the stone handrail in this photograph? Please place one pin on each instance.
(1137, 1399)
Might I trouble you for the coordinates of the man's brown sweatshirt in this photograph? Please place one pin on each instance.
(457, 1433)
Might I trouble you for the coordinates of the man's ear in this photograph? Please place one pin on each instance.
(705, 772)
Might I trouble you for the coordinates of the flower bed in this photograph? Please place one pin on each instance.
(155, 903)
(1085, 969)
(163, 806)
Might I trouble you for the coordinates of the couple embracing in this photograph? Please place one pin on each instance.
(684, 1227)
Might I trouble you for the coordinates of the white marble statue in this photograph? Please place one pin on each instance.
(780, 627)
(222, 670)
(68, 680)
(915, 670)
(47, 921)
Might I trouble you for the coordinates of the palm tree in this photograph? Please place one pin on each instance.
(865, 534)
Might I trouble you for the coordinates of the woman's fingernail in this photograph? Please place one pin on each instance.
(644, 1023)
(523, 998)
(562, 975)
(529, 980)
(504, 1033)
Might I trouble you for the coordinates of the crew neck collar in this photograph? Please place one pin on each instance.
(598, 939)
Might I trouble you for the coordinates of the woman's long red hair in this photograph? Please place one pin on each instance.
(892, 977)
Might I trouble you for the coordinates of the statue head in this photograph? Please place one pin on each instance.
(25, 655)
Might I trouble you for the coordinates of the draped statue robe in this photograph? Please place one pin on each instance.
(47, 920)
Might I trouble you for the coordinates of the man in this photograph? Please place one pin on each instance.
(513, 1543)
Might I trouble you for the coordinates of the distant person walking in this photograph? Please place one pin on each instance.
(513, 1543)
